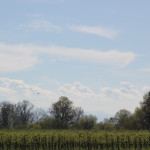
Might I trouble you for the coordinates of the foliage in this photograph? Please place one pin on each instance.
(47, 123)
(87, 122)
(16, 116)
(121, 116)
(109, 127)
(64, 114)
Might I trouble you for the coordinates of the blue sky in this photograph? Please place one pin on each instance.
(95, 52)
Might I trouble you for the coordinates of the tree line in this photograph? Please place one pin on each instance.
(63, 115)
(60, 115)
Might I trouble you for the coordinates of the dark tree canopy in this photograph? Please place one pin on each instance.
(145, 108)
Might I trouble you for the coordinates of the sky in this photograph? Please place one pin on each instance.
(94, 52)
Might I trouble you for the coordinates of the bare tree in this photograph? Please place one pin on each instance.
(24, 112)
(39, 115)
(79, 113)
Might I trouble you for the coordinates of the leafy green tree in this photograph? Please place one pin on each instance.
(64, 114)
(121, 119)
(138, 119)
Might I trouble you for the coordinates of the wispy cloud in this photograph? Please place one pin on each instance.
(110, 57)
(40, 25)
(21, 57)
(97, 30)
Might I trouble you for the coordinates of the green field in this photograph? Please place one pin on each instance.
(70, 140)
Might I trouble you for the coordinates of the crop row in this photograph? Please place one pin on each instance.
(73, 140)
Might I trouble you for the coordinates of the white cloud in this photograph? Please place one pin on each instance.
(111, 57)
(21, 57)
(17, 90)
(16, 58)
(76, 90)
(146, 89)
(100, 31)
(108, 100)
(40, 25)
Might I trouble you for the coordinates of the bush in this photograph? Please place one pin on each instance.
(109, 127)
(87, 122)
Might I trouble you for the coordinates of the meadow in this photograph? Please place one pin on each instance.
(73, 140)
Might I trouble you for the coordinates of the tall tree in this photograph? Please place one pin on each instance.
(122, 118)
(7, 115)
(63, 112)
(24, 112)
(145, 108)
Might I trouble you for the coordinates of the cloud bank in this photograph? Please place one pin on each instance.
(108, 100)
(21, 57)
